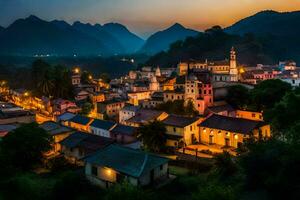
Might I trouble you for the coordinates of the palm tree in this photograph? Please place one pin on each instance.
(45, 84)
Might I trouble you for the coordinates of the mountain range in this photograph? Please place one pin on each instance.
(268, 23)
(161, 40)
(34, 36)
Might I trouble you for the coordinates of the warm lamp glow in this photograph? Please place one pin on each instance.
(76, 70)
(108, 172)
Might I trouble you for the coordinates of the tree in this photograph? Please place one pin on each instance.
(153, 136)
(267, 93)
(125, 191)
(24, 147)
(214, 192)
(189, 109)
(63, 87)
(238, 96)
(86, 108)
(285, 114)
(273, 166)
(225, 165)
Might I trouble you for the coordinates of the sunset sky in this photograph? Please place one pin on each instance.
(143, 16)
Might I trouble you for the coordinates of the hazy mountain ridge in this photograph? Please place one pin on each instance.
(126, 38)
(161, 40)
(268, 23)
(32, 35)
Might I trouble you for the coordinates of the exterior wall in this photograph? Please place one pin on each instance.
(22, 119)
(182, 68)
(79, 127)
(111, 109)
(151, 103)
(145, 179)
(106, 177)
(218, 137)
(134, 98)
(125, 114)
(295, 82)
(188, 133)
(57, 139)
(100, 132)
(98, 98)
(249, 115)
(170, 96)
(73, 154)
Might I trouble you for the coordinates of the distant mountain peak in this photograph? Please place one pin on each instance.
(33, 18)
(177, 26)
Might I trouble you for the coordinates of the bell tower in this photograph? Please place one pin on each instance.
(233, 66)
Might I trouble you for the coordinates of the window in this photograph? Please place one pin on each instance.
(191, 128)
(174, 129)
(94, 171)
(253, 114)
(161, 167)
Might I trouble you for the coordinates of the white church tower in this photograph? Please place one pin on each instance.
(233, 66)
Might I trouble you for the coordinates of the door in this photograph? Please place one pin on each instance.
(211, 139)
(227, 142)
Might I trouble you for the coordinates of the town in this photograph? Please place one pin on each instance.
(148, 100)
(109, 138)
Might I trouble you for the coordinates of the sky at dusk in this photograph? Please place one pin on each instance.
(143, 16)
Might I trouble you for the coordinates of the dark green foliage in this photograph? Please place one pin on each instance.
(126, 191)
(26, 186)
(285, 114)
(72, 185)
(23, 148)
(213, 191)
(238, 96)
(215, 44)
(51, 81)
(153, 136)
(86, 108)
(273, 166)
(267, 93)
(225, 165)
(177, 107)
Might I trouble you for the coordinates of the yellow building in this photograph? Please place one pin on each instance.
(181, 130)
(80, 123)
(172, 95)
(169, 84)
(231, 132)
(136, 97)
(58, 133)
(249, 115)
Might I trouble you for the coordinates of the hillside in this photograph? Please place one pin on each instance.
(161, 40)
(127, 39)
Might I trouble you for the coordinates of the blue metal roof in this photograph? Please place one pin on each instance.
(125, 160)
(102, 124)
(78, 119)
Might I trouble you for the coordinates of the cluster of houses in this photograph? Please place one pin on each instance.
(105, 141)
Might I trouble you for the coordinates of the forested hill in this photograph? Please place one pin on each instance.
(266, 37)
(215, 44)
